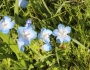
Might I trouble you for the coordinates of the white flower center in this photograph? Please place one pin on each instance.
(4, 25)
(45, 35)
(25, 35)
(62, 33)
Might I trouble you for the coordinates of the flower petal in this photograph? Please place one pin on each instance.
(49, 31)
(55, 32)
(46, 47)
(46, 40)
(67, 29)
(23, 3)
(21, 44)
(67, 38)
(61, 27)
(20, 30)
(11, 25)
(44, 35)
(5, 31)
(60, 39)
(26, 42)
(7, 19)
(33, 34)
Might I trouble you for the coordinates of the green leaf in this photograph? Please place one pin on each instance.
(77, 42)
(13, 46)
(16, 11)
(16, 7)
(46, 7)
(59, 9)
(11, 43)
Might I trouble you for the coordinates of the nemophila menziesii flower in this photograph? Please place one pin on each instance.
(6, 24)
(46, 47)
(29, 24)
(62, 33)
(25, 35)
(23, 3)
(44, 35)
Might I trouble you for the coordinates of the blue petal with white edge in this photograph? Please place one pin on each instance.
(46, 47)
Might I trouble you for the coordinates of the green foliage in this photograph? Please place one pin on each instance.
(48, 14)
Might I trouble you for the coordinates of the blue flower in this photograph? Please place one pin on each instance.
(25, 35)
(44, 35)
(23, 3)
(6, 24)
(62, 33)
(29, 24)
(46, 47)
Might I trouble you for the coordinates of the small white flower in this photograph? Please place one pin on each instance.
(62, 33)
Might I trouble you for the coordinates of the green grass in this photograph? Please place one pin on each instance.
(48, 14)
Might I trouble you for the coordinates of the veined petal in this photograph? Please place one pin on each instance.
(46, 47)
(61, 27)
(67, 29)
(67, 38)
